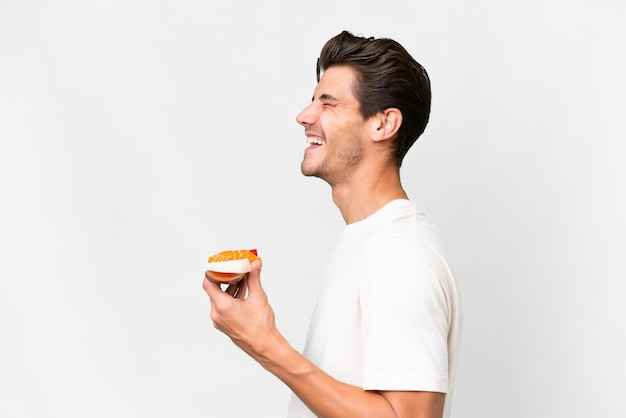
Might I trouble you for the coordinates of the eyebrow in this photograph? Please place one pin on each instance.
(326, 97)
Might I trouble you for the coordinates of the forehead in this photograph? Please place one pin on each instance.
(338, 82)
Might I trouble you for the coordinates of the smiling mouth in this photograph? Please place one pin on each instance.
(314, 141)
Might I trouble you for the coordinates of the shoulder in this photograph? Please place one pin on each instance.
(407, 249)
(407, 256)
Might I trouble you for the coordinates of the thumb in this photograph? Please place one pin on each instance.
(254, 277)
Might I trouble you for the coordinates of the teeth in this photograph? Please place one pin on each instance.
(316, 141)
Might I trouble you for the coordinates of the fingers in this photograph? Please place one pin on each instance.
(232, 289)
(212, 289)
(242, 288)
(236, 290)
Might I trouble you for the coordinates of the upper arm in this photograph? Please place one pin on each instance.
(415, 404)
(404, 321)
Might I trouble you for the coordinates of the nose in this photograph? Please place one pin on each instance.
(306, 117)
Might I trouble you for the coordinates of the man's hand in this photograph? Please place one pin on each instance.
(243, 313)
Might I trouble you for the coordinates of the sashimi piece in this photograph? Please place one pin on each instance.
(230, 266)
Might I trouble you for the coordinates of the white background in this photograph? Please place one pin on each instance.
(139, 137)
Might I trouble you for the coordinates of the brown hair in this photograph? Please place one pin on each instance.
(387, 76)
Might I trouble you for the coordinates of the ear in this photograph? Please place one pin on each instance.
(387, 124)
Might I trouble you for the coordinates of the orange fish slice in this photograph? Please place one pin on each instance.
(228, 267)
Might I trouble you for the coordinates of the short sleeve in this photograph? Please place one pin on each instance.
(404, 318)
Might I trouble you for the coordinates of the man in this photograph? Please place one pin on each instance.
(383, 338)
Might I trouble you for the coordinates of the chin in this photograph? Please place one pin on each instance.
(307, 171)
(310, 171)
(316, 173)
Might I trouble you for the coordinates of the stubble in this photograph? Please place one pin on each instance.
(336, 169)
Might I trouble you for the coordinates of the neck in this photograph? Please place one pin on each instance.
(367, 193)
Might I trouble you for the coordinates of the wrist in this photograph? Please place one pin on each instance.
(279, 358)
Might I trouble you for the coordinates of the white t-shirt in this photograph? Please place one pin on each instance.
(387, 317)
